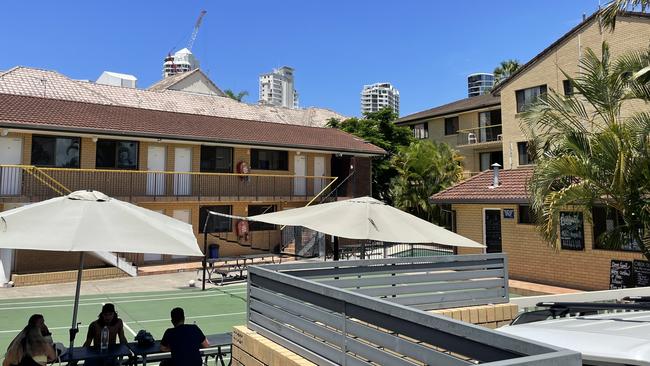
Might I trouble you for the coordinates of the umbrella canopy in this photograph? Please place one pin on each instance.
(89, 221)
(366, 218)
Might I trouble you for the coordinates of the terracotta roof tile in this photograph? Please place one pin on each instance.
(20, 111)
(513, 188)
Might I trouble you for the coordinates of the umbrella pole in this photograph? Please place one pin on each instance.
(74, 329)
(205, 254)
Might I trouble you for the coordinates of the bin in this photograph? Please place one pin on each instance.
(213, 251)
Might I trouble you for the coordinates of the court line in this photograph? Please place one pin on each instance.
(128, 328)
(139, 321)
(102, 298)
(123, 302)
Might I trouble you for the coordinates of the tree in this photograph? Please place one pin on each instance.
(238, 97)
(379, 129)
(504, 70)
(423, 169)
(591, 153)
(613, 8)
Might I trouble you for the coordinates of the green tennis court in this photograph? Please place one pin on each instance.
(215, 310)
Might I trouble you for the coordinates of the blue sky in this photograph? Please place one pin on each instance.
(425, 48)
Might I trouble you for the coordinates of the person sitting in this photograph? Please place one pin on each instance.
(31, 347)
(183, 340)
(107, 318)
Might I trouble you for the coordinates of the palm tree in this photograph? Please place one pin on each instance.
(424, 168)
(590, 153)
(609, 12)
(238, 97)
(504, 70)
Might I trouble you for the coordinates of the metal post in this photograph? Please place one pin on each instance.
(74, 329)
(205, 249)
(336, 247)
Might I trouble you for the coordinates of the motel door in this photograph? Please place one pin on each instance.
(492, 230)
(319, 171)
(11, 152)
(300, 170)
(182, 164)
(156, 161)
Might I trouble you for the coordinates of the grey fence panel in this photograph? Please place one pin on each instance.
(329, 324)
(398, 289)
(389, 280)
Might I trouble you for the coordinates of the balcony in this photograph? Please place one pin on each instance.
(482, 136)
(24, 183)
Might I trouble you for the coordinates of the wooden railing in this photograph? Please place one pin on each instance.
(478, 135)
(42, 183)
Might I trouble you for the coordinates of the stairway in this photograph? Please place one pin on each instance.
(117, 261)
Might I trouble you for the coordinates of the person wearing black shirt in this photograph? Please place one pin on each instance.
(184, 341)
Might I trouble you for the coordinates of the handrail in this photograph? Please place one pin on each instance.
(162, 172)
(51, 179)
(478, 128)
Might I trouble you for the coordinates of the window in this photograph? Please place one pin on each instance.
(526, 156)
(568, 87)
(258, 210)
(116, 154)
(216, 159)
(421, 131)
(451, 126)
(527, 96)
(217, 224)
(59, 152)
(489, 158)
(269, 159)
(526, 215)
(606, 219)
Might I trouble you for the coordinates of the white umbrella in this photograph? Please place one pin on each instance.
(90, 221)
(366, 218)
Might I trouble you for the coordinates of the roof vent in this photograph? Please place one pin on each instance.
(495, 175)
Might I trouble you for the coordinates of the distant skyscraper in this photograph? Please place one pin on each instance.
(479, 84)
(182, 61)
(277, 88)
(377, 96)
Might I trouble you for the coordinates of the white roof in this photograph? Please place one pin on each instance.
(621, 338)
(51, 84)
(120, 75)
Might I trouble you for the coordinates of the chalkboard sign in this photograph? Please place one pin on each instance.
(572, 233)
(620, 275)
(508, 213)
(641, 273)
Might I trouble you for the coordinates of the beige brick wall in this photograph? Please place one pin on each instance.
(66, 276)
(630, 34)
(489, 316)
(530, 258)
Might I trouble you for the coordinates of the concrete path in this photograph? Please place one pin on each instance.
(153, 283)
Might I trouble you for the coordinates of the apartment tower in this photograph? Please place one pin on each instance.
(479, 83)
(377, 96)
(277, 88)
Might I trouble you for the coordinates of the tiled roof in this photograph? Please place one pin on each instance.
(463, 105)
(18, 111)
(558, 42)
(50, 84)
(513, 188)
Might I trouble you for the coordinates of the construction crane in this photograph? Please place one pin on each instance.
(196, 30)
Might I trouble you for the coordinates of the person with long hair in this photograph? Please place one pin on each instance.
(32, 346)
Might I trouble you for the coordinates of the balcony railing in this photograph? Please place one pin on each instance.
(32, 183)
(478, 135)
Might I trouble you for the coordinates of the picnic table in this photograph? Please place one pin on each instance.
(135, 354)
(235, 268)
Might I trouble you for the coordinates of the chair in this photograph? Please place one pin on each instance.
(471, 138)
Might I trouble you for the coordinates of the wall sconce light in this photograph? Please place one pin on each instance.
(4, 132)
(95, 139)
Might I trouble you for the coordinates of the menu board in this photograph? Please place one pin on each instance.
(641, 271)
(621, 275)
(572, 233)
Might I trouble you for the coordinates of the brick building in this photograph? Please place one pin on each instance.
(171, 151)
